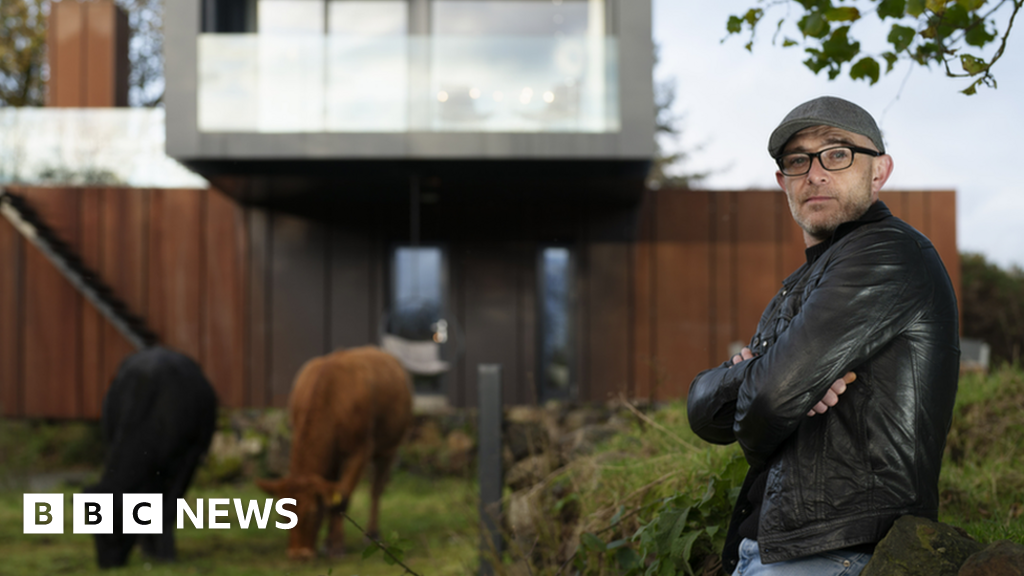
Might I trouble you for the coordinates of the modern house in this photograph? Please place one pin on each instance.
(446, 170)
(460, 181)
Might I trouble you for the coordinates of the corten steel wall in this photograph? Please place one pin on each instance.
(252, 294)
(176, 257)
(88, 54)
(707, 264)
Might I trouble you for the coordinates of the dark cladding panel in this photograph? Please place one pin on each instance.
(608, 321)
(258, 368)
(224, 303)
(489, 276)
(298, 314)
(352, 298)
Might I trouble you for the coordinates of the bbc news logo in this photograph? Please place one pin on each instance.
(144, 513)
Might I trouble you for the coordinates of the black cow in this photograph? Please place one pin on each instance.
(158, 419)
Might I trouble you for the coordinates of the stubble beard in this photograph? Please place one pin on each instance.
(849, 208)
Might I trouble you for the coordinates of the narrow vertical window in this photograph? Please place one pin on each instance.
(417, 328)
(555, 374)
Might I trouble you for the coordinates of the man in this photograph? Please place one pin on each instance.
(870, 316)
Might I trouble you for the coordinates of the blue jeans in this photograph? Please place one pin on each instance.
(832, 563)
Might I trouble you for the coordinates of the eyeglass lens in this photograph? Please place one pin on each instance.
(799, 163)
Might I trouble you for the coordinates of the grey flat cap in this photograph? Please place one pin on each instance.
(825, 111)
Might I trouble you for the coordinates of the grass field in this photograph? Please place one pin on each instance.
(436, 516)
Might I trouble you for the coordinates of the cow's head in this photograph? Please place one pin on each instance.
(313, 496)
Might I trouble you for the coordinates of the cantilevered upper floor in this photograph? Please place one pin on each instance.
(409, 80)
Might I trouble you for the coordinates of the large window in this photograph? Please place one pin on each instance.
(379, 66)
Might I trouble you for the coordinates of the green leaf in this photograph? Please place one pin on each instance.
(592, 542)
(667, 569)
(973, 88)
(814, 25)
(937, 6)
(915, 8)
(753, 16)
(712, 530)
(971, 5)
(838, 47)
(627, 558)
(788, 42)
(678, 526)
(953, 19)
(370, 550)
(734, 25)
(618, 516)
(977, 34)
(688, 546)
(865, 68)
(901, 37)
(890, 60)
(842, 14)
(616, 544)
(973, 65)
(891, 8)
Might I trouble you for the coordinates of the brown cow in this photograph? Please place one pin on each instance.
(347, 408)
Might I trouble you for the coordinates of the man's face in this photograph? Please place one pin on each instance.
(821, 200)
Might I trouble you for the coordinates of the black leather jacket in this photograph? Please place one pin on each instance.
(877, 302)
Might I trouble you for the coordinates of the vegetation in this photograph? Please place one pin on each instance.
(993, 306)
(657, 500)
(653, 500)
(437, 518)
(963, 37)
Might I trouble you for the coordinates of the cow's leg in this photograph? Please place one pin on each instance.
(178, 475)
(381, 475)
(351, 472)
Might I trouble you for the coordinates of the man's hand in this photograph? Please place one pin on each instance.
(744, 354)
(832, 395)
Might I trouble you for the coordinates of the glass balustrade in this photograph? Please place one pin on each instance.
(288, 83)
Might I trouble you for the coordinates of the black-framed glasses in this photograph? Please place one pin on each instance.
(831, 159)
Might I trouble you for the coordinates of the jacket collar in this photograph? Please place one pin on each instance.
(877, 211)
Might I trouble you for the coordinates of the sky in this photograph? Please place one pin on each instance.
(730, 100)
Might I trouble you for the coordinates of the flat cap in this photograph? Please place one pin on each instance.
(825, 111)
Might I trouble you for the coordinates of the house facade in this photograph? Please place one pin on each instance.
(445, 171)
(459, 180)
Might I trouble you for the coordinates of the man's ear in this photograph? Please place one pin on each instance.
(881, 170)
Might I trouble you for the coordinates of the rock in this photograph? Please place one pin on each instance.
(918, 546)
(1003, 558)
(526, 439)
(527, 472)
(524, 510)
(585, 416)
(583, 440)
